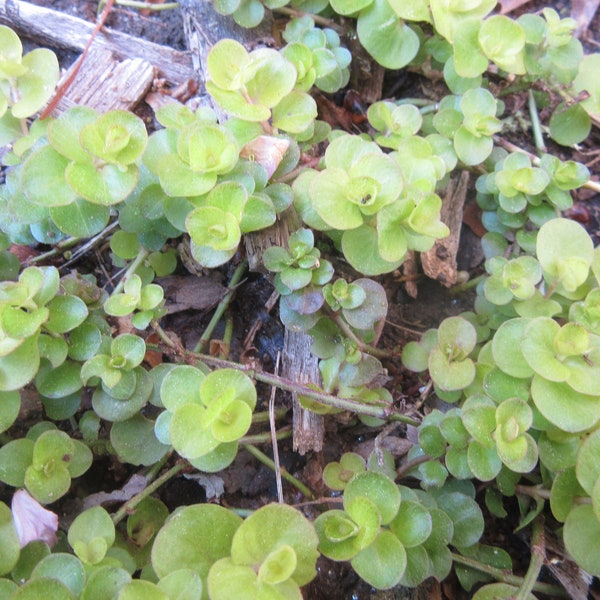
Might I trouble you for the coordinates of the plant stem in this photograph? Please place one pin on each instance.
(293, 174)
(263, 458)
(379, 411)
(324, 21)
(422, 102)
(131, 269)
(263, 417)
(537, 492)
(409, 466)
(535, 123)
(538, 555)
(274, 440)
(227, 335)
(467, 285)
(501, 575)
(149, 489)
(533, 491)
(147, 5)
(218, 314)
(347, 331)
(62, 245)
(81, 250)
(265, 438)
(154, 470)
(162, 334)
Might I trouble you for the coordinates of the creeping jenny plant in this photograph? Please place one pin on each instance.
(519, 373)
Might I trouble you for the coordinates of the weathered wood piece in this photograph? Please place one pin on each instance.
(203, 28)
(105, 83)
(60, 30)
(440, 262)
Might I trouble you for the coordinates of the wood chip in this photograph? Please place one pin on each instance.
(106, 83)
(440, 262)
(60, 30)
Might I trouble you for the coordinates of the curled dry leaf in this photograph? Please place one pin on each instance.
(267, 151)
(32, 520)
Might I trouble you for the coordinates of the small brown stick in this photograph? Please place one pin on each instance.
(64, 86)
(273, 428)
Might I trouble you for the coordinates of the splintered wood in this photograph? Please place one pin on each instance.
(105, 83)
(59, 30)
(440, 262)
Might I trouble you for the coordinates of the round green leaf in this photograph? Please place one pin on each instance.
(194, 538)
(360, 248)
(15, 457)
(295, 112)
(10, 405)
(372, 309)
(412, 525)
(80, 218)
(537, 346)
(581, 535)
(483, 461)
(181, 385)
(220, 381)
(340, 536)
(498, 591)
(19, 367)
(472, 149)
(188, 436)
(216, 460)
(226, 62)
(66, 313)
(37, 85)
(570, 125)
(105, 185)
(386, 38)
(502, 40)
(587, 80)
(43, 178)
(565, 489)
(63, 133)
(507, 351)
(211, 226)
(117, 136)
(135, 443)
(588, 467)
(63, 567)
(113, 408)
(10, 547)
(60, 381)
(256, 538)
(383, 563)
(44, 587)
(231, 421)
(228, 580)
(328, 197)
(466, 516)
(565, 251)
(562, 406)
(182, 584)
(87, 530)
(105, 582)
(379, 489)
(450, 375)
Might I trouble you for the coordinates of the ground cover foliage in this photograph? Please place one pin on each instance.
(518, 432)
